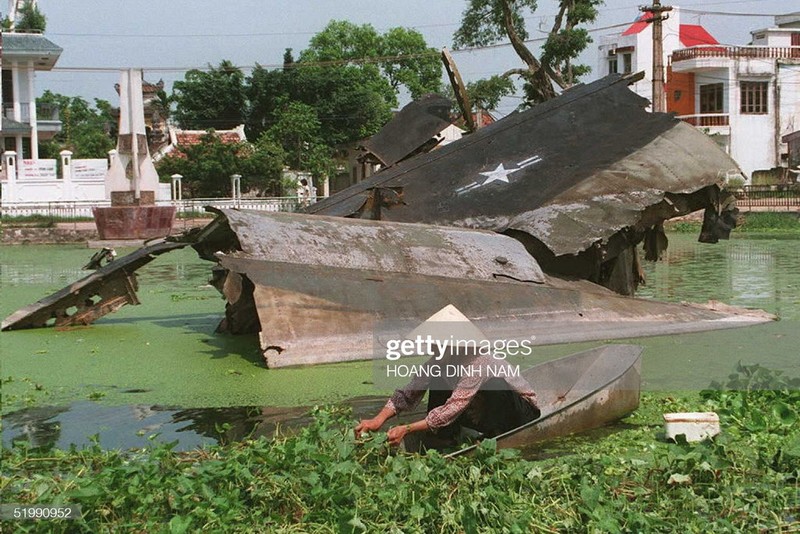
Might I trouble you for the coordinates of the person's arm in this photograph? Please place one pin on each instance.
(403, 399)
(371, 425)
(397, 433)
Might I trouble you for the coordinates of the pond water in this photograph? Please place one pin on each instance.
(158, 371)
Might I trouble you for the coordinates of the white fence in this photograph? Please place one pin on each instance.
(65, 210)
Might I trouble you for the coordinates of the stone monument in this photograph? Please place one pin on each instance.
(132, 180)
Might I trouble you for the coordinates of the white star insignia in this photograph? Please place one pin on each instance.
(500, 174)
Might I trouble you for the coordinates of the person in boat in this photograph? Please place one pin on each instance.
(465, 390)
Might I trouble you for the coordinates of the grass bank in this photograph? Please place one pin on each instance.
(752, 222)
(323, 480)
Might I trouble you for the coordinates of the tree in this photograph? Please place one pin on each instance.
(350, 102)
(342, 88)
(297, 131)
(30, 18)
(213, 99)
(207, 166)
(401, 55)
(85, 131)
(486, 22)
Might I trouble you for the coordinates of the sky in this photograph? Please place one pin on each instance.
(166, 38)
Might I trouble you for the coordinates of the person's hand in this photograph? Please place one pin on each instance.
(368, 425)
(396, 434)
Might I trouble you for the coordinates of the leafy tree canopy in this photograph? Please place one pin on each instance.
(342, 88)
(401, 55)
(208, 166)
(212, 99)
(85, 131)
(486, 22)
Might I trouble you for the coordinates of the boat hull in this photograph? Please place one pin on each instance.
(579, 392)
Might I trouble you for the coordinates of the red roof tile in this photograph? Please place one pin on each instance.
(694, 35)
(691, 34)
(639, 25)
(185, 138)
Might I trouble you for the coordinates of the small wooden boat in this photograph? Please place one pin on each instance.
(578, 392)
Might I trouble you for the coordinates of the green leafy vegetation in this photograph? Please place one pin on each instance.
(322, 479)
(753, 222)
(208, 165)
(770, 222)
(30, 18)
(86, 131)
(342, 89)
(486, 22)
(29, 221)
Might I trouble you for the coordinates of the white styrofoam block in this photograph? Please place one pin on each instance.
(696, 426)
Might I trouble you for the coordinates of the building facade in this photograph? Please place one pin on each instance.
(746, 97)
(24, 123)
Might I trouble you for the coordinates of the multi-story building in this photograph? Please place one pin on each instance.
(746, 97)
(24, 123)
(632, 50)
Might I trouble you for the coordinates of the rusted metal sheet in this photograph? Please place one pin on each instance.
(410, 129)
(573, 174)
(104, 291)
(329, 304)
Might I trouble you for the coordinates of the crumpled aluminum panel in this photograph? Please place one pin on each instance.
(416, 124)
(571, 171)
(324, 288)
(387, 247)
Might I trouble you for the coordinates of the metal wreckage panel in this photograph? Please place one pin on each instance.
(411, 130)
(584, 177)
(324, 288)
(576, 182)
(102, 292)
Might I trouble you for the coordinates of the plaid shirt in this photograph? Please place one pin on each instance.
(464, 389)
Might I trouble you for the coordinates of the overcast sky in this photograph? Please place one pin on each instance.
(175, 35)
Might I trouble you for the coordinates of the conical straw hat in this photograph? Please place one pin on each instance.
(446, 324)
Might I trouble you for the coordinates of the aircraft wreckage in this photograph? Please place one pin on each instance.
(519, 225)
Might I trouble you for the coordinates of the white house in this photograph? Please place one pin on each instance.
(23, 123)
(632, 50)
(25, 178)
(746, 97)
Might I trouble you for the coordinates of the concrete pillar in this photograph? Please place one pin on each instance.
(177, 187)
(15, 90)
(112, 156)
(66, 175)
(66, 165)
(10, 163)
(326, 187)
(236, 186)
(33, 113)
(19, 147)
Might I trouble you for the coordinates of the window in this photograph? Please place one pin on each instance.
(754, 97)
(612, 65)
(711, 96)
(627, 61)
(8, 92)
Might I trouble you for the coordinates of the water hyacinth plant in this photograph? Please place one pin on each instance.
(323, 479)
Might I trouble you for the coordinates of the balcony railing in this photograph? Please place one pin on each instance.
(735, 52)
(44, 112)
(703, 120)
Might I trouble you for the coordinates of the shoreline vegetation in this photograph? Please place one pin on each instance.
(322, 479)
(750, 222)
(753, 222)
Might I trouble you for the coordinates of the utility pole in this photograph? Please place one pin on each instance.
(657, 17)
